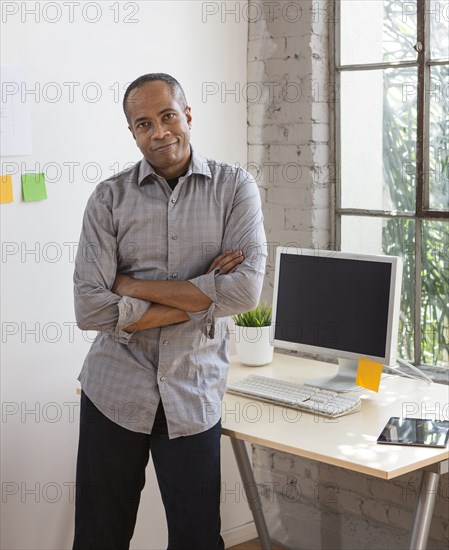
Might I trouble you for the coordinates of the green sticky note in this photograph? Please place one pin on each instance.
(368, 374)
(33, 187)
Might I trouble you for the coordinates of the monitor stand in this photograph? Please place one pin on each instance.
(343, 381)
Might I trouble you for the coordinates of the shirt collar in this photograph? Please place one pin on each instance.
(198, 165)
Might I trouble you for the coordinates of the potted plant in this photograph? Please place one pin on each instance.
(252, 336)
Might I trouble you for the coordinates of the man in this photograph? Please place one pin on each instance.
(169, 248)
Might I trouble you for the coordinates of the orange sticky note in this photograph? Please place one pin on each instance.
(6, 189)
(368, 374)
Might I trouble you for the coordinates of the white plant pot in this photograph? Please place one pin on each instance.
(253, 345)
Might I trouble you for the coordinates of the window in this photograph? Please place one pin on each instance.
(392, 153)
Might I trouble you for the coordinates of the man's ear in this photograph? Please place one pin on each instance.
(188, 113)
(132, 132)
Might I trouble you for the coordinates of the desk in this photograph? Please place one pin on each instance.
(348, 442)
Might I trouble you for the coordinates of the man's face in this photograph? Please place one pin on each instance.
(161, 128)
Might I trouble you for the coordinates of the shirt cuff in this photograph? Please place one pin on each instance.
(205, 317)
(130, 310)
(206, 283)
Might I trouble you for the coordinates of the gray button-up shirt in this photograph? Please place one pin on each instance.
(135, 224)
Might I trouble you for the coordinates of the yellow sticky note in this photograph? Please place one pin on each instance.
(368, 374)
(6, 189)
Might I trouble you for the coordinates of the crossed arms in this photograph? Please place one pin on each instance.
(171, 299)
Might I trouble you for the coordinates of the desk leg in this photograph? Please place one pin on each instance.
(424, 510)
(252, 494)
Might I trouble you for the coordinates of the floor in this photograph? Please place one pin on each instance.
(251, 545)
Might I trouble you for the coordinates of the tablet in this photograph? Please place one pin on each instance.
(415, 431)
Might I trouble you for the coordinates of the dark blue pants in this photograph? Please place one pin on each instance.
(111, 475)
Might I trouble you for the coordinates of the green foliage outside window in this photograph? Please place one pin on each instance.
(399, 153)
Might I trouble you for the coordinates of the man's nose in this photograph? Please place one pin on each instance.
(160, 131)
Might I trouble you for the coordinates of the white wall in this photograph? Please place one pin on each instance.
(91, 45)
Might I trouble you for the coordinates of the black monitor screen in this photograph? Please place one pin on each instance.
(334, 303)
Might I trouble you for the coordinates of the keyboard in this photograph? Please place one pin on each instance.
(304, 397)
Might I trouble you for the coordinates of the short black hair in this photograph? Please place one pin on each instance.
(175, 86)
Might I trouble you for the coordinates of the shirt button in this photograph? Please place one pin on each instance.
(174, 237)
(174, 275)
(165, 342)
(162, 379)
(173, 201)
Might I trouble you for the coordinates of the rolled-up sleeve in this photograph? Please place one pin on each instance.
(240, 291)
(96, 306)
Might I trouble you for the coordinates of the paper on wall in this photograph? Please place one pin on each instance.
(15, 122)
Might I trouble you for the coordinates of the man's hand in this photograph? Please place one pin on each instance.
(227, 262)
(123, 285)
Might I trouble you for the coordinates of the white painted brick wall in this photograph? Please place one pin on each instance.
(312, 505)
(288, 122)
(308, 504)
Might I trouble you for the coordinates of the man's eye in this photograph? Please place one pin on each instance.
(142, 125)
(170, 115)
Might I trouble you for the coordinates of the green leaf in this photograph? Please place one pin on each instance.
(258, 317)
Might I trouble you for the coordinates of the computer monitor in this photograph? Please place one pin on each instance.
(338, 304)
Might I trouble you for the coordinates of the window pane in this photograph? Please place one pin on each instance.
(376, 31)
(395, 237)
(439, 137)
(378, 139)
(435, 293)
(438, 13)
(399, 30)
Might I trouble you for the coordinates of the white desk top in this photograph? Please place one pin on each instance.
(348, 441)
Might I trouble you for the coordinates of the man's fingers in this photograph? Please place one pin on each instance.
(214, 264)
(217, 260)
(230, 262)
(224, 259)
